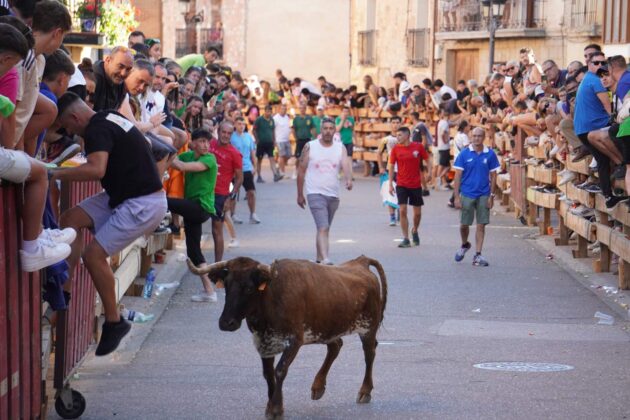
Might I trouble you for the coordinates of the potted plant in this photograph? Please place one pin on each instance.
(117, 18)
(87, 12)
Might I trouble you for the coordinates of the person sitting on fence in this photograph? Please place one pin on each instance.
(40, 248)
(132, 204)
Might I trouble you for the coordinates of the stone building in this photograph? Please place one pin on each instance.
(448, 39)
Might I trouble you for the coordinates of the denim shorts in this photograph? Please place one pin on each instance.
(114, 229)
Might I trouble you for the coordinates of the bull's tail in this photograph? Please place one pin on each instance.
(382, 280)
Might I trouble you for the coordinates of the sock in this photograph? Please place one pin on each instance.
(477, 253)
(30, 246)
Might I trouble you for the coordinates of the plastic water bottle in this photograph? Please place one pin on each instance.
(136, 316)
(148, 284)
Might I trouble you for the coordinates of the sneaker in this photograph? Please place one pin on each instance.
(233, 243)
(253, 219)
(59, 236)
(566, 177)
(204, 296)
(46, 254)
(260, 180)
(175, 230)
(405, 243)
(326, 261)
(237, 219)
(113, 333)
(593, 188)
(532, 141)
(277, 177)
(294, 176)
(426, 193)
(461, 252)
(162, 230)
(580, 155)
(613, 200)
(62, 150)
(415, 237)
(480, 261)
(392, 220)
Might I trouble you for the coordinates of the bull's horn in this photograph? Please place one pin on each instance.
(264, 267)
(205, 270)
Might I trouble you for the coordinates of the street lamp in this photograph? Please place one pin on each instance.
(492, 10)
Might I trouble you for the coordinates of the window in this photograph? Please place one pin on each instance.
(367, 48)
(183, 44)
(583, 13)
(418, 47)
(616, 25)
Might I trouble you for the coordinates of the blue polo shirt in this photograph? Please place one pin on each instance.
(590, 114)
(476, 168)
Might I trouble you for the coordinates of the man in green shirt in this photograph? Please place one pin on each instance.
(345, 128)
(209, 56)
(264, 134)
(303, 129)
(200, 177)
(317, 119)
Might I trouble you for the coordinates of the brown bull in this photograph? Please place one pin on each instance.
(296, 302)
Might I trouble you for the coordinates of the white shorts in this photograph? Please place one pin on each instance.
(15, 166)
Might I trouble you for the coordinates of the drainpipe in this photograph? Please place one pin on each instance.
(433, 36)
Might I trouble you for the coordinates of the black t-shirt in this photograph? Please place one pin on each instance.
(106, 94)
(131, 171)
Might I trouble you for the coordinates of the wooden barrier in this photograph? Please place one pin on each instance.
(21, 386)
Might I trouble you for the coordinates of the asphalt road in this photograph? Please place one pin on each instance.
(442, 318)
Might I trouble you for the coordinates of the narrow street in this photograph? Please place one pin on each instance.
(442, 318)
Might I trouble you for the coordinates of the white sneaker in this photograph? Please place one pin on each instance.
(237, 219)
(253, 219)
(566, 177)
(47, 253)
(204, 296)
(326, 261)
(233, 243)
(60, 236)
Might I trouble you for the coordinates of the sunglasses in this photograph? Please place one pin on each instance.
(511, 68)
(599, 63)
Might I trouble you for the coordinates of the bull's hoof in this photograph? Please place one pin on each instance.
(274, 413)
(363, 398)
(316, 394)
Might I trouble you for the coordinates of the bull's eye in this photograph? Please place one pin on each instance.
(248, 290)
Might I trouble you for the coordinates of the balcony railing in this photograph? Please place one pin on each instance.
(367, 48)
(467, 15)
(583, 14)
(418, 47)
(184, 43)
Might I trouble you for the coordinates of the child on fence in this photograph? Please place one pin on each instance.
(40, 248)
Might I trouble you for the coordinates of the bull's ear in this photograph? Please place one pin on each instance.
(263, 276)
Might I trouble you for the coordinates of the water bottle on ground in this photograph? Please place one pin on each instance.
(136, 316)
(149, 281)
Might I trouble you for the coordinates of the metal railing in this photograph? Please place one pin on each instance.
(467, 15)
(418, 47)
(367, 47)
(183, 45)
(583, 14)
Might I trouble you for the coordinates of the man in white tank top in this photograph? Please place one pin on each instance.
(318, 177)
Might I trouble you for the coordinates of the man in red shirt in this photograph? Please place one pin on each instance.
(230, 164)
(408, 155)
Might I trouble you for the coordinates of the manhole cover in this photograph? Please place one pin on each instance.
(523, 367)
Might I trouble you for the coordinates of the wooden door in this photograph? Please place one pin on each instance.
(465, 66)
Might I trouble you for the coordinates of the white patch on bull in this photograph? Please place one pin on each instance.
(311, 337)
(270, 343)
(361, 326)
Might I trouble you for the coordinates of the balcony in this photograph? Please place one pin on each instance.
(585, 18)
(463, 19)
(367, 48)
(418, 47)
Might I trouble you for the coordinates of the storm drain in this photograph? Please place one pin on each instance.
(523, 367)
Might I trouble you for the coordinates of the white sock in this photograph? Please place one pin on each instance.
(30, 246)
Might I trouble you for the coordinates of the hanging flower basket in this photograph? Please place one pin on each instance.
(88, 25)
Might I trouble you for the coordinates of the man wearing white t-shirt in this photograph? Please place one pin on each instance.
(318, 175)
(444, 149)
(282, 131)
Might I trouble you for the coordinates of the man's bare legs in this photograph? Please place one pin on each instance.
(480, 234)
(321, 243)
